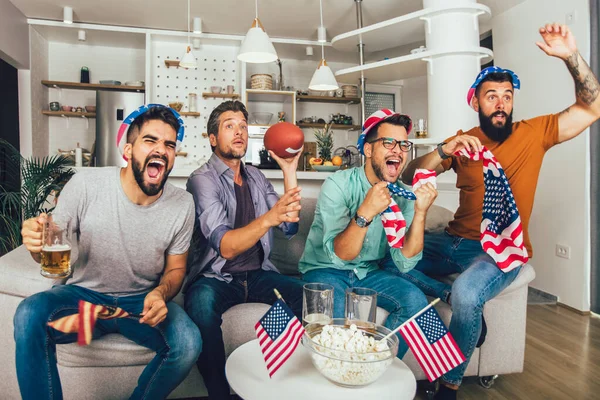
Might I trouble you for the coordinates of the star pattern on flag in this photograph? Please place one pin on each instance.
(275, 321)
(431, 326)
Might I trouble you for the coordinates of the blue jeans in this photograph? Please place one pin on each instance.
(176, 341)
(480, 280)
(396, 295)
(208, 298)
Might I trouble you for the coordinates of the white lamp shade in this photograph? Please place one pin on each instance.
(323, 78)
(257, 47)
(68, 15)
(188, 60)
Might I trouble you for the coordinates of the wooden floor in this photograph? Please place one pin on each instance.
(562, 360)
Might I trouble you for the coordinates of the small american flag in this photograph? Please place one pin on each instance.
(392, 219)
(278, 333)
(83, 322)
(431, 343)
(501, 229)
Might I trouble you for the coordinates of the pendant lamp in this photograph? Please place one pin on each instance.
(257, 47)
(323, 78)
(188, 60)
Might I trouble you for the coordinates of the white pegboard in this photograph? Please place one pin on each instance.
(217, 66)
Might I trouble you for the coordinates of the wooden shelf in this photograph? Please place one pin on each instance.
(172, 63)
(221, 95)
(189, 114)
(328, 99)
(400, 31)
(334, 126)
(404, 67)
(68, 114)
(92, 86)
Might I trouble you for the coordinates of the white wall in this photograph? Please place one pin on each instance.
(14, 36)
(64, 64)
(561, 210)
(38, 95)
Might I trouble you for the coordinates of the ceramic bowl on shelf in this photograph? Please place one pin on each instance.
(177, 105)
(216, 89)
(90, 109)
(326, 168)
(54, 106)
(66, 108)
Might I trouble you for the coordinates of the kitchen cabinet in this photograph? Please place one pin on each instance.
(271, 101)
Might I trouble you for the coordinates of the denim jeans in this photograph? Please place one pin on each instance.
(208, 298)
(396, 295)
(480, 280)
(176, 341)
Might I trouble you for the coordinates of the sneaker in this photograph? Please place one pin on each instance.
(445, 393)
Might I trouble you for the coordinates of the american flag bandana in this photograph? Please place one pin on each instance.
(490, 70)
(501, 228)
(83, 322)
(392, 219)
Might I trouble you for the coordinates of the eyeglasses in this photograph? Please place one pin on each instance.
(391, 143)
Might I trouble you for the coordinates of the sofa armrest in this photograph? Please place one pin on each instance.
(20, 274)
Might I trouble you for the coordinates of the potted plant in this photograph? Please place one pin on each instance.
(40, 178)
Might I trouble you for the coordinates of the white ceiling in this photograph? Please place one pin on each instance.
(297, 19)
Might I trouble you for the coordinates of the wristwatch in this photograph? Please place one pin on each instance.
(361, 221)
(441, 151)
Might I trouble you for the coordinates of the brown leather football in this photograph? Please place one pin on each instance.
(284, 139)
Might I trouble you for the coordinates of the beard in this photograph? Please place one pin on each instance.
(378, 169)
(495, 132)
(149, 189)
(230, 154)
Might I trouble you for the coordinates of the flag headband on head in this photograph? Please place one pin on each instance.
(490, 70)
(122, 134)
(373, 120)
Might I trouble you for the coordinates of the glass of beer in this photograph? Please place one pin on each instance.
(361, 306)
(317, 304)
(56, 249)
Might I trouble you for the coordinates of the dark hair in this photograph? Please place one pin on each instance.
(160, 113)
(398, 120)
(495, 77)
(212, 126)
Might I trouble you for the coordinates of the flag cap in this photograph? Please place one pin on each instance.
(373, 120)
(485, 72)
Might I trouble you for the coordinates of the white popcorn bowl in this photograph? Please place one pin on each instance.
(346, 368)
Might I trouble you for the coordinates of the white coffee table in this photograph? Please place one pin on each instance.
(299, 379)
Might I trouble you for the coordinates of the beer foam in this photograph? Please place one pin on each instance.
(56, 247)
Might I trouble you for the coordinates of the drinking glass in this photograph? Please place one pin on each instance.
(361, 306)
(317, 303)
(56, 249)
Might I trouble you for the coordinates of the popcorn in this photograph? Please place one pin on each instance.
(349, 357)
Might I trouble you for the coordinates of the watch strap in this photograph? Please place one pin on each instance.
(440, 151)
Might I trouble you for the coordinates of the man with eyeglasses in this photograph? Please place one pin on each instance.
(520, 148)
(347, 244)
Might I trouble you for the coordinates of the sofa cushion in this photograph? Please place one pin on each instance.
(20, 274)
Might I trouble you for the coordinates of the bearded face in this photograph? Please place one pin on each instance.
(497, 126)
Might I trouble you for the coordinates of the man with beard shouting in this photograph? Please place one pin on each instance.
(519, 147)
(133, 232)
(347, 244)
(236, 207)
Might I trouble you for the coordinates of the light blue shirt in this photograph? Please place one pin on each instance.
(341, 195)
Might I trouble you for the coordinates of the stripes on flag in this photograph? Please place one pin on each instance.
(84, 321)
(431, 343)
(501, 228)
(278, 333)
(392, 219)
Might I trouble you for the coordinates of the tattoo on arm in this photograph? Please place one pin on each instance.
(586, 84)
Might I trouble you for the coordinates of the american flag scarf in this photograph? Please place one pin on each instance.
(83, 322)
(392, 219)
(501, 228)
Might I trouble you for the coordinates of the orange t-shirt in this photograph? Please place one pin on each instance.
(521, 158)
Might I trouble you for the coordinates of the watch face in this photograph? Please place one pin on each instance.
(361, 221)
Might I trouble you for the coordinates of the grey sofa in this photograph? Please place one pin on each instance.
(110, 366)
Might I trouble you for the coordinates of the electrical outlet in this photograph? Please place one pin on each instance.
(563, 251)
(570, 18)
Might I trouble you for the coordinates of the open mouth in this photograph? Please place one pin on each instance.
(155, 169)
(393, 166)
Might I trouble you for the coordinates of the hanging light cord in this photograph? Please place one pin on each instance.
(322, 44)
(256, 8)
(188, 23)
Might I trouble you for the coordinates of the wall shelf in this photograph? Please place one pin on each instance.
(400, 31)
(189, 114)
(92, 86)
(404, 67)
(334, 126)
(327, 99)
(68, 114)
(172, 63)
(269, 96)
(220, 95)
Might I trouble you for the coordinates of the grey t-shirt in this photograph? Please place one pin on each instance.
(122, 246)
